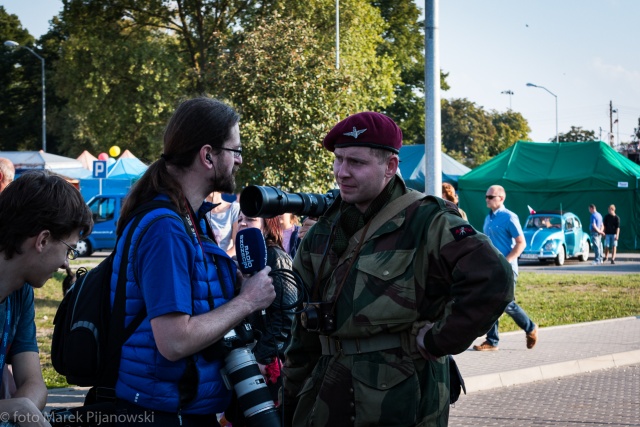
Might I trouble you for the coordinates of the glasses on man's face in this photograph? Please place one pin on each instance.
(71, 253)
(490, 197)
(236, 153)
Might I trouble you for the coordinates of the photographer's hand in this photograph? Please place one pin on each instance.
(179, 335)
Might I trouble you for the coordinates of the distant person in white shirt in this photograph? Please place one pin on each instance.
(224, 222)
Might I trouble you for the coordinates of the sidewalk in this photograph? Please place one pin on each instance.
(560, 351)
(621, 256)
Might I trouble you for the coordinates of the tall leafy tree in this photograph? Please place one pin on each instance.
(290, 94)
(511, 127)
(467, 130)
(576, 134)
(20, 88)
(120, 82)
(404, 41)
(372, 73)
(197, 25)
(473, 135)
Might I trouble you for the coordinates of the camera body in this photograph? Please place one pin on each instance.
(318, 317)
(267, 202)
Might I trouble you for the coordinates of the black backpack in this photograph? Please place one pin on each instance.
(87, 335)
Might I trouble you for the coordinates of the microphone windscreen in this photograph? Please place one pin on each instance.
(251, 250)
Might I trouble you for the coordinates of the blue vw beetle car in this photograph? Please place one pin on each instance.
(555, 235)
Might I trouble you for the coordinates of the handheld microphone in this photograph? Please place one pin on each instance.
(251, 250)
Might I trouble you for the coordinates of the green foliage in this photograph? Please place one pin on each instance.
(198, 26)
(576, 134)
(288, 97)
(472, 135)
(467, 130)
(20, 88)
(120, 86)
(290, 94)
(404, 42)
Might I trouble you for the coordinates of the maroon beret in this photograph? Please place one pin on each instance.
(367, 129)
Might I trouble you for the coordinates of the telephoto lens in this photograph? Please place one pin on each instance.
(267, 202)
(254, 398)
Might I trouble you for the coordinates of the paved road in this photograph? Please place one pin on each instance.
(610, 397)
(602, 398)
(626, 263)
(577, 267)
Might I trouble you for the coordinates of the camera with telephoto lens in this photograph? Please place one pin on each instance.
(267, 202)
(241, 373)
(318, 317)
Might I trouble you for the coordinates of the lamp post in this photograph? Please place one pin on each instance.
(12, 44)
(556, 97)
(508, 92)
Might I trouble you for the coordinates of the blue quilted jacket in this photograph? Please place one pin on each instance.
(146, 378)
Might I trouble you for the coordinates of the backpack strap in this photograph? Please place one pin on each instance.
(118, 334)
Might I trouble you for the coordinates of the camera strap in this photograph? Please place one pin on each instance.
(315, 289)
(353, 260)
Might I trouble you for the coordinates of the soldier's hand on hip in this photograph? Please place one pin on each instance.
(420, 341)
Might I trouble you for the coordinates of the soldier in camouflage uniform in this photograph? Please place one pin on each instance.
(404, 282)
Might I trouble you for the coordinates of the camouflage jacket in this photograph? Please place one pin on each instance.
(425, 264)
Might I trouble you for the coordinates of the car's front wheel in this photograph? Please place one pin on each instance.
(561, 256)
(84, 248)
(585, 251)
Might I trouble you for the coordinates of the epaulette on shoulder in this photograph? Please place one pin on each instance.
(444, 205)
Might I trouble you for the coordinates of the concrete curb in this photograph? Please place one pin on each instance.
(553, 370)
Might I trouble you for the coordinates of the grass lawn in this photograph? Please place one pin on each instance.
(549, 299)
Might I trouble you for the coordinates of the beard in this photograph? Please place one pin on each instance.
(226, 183)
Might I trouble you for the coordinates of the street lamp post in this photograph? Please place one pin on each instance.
(508, 92)
(556, 97)
(12, 44)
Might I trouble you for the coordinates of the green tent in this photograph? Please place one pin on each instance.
(565, 176)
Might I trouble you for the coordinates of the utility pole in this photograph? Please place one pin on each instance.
(611, 123)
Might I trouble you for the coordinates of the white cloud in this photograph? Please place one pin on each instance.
(618, 73)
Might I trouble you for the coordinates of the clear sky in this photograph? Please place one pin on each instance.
(584, 51)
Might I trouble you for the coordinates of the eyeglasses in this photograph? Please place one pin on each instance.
(490, 197)
(71, 253)
(236, 153)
